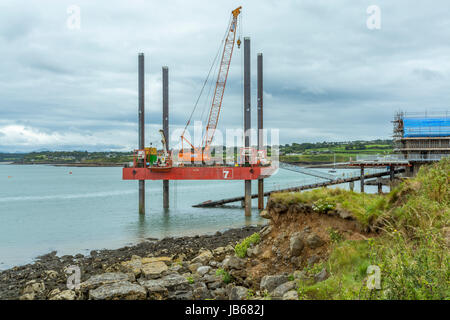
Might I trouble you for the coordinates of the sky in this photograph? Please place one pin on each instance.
(329, 75)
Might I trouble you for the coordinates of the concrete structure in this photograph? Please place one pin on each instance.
(141, 121)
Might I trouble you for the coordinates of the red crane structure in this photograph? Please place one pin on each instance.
(149, 165)
(202, 153)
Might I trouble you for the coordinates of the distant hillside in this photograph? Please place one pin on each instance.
(323, 152)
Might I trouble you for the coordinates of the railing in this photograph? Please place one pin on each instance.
(402, 157)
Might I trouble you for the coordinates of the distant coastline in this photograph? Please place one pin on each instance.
(76, 164)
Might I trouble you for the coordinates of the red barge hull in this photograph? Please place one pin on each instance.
(199, 173)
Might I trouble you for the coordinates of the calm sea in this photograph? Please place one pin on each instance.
(45, 208)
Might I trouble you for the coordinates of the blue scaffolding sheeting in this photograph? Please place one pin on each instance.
(426, 127)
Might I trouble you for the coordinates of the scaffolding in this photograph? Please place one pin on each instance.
(422, 136)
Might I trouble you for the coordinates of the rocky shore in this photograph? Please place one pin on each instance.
(248, 263)
(47, 277)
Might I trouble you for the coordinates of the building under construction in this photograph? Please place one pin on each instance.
(421, 138)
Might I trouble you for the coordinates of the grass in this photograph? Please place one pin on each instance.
(366, 208)
(241, 248)
(346, 265)
(411, 253)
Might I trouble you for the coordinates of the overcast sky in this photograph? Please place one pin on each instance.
(327, 76)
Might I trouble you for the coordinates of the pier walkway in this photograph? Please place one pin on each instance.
(337, 180)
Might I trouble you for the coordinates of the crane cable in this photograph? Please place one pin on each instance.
(206, 80)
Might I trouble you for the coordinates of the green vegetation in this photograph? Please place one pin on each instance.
(364, 207)
(411, 252)
(190, 280)
(325, 151)
(10, 157)
(241, 248)
(335, 235)
(226, 278)
(61, 157)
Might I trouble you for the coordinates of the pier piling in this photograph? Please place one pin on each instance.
(247, 123)
(260, 127)
(362, 179)
(165, 122)
(141, 131)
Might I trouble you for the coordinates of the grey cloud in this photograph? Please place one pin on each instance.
(327, 77)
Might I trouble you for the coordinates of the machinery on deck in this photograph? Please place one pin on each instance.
(190, 163)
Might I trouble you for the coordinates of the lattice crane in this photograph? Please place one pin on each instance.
(216, 104)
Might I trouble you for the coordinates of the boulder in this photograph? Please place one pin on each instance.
(133, 266)
(219, 251)
(64, 295)
(103, 279)
(290, 295)
(314, 241)
(34, 287)
(203, 258)
(264, 214)
(270, 283)
(229, 249)
(215, 285)
(279, 291)
(166, 260)
(154, 270)
(27, 296)
(233, 262)
(238, 293)
(194, 267)
(296, 244)
(265, 231)
(203, 270)
(254, 251)
(201, 291)
(122, 290)
(155, 290)
(313, 259)
(51, 274)
(321, 276)
(220, 294)
(181, 295)
(171, 282)
(300, 275)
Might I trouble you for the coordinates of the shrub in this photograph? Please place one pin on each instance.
(241, 248)
(226, 278)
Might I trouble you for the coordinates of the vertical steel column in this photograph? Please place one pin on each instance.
(362, 179)
(141, 133)
(380, 185)
(391, 172)
(247, 122)
(351, 185)
(260, 127)
(165, 121)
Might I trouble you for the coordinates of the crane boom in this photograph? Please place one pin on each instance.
(198, 154)
(221, 79)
